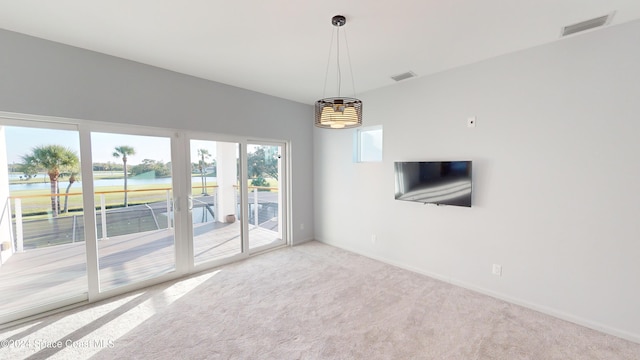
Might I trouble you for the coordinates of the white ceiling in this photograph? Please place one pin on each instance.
(281, 47)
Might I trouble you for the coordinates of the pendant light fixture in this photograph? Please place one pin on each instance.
(338, 112)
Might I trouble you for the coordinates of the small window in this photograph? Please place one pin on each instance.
(368, 144)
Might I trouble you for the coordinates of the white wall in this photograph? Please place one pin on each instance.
(556, 178)
(46, 78)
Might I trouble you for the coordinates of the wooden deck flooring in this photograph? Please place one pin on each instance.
(44, 275)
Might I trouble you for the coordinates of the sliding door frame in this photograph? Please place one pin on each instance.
(243, 142)
(181, 170)
(181, 268)
(283, 193)
(188, 214)
(38, 122)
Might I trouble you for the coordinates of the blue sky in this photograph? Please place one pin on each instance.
(20, 141)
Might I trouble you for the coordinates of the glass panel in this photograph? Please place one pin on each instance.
(216, 207)
(134, 200)
(41, 224)
(370, 144)
(264, 198)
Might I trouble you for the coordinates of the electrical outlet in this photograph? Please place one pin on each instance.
(471, 122)
(302, 226)
(497, 269)
(374, 239)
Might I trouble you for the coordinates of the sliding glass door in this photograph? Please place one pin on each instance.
(237, 198)
(215, 207)
(43, 257)
(265, 200)
(133, 193)
(143, 206)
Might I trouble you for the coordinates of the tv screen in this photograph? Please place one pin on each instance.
(434, 182)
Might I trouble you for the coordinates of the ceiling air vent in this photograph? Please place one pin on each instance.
(404, 76)
(586, 25)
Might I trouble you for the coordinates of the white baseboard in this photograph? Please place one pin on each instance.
(299, 242)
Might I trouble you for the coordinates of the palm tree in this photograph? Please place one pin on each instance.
(204, 153)
(124, 151)
(53, 159)
(72, 179)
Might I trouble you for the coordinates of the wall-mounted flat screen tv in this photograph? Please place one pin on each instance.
(434, 182)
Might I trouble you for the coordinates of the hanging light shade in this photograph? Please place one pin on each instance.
(338, 112)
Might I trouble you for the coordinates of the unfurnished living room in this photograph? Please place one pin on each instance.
(319, 180)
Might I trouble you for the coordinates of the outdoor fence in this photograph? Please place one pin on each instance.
(69, 227)
(5, 225)
(155, 214)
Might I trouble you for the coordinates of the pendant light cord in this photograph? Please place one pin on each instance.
(338, 60)
(353, 83)
(336, 31)
(326, 74)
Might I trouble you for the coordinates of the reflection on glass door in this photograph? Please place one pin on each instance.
(215, 202)
(134, 207)
(42, 254)
(265, 195)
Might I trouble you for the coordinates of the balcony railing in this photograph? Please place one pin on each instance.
(152, 211)
(6, 244)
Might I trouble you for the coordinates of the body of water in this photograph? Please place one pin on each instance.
(98, 183)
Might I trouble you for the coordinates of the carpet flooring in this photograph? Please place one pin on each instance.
(311, 301)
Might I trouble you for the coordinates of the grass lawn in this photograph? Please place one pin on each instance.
(44, 178)
(37, 203)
